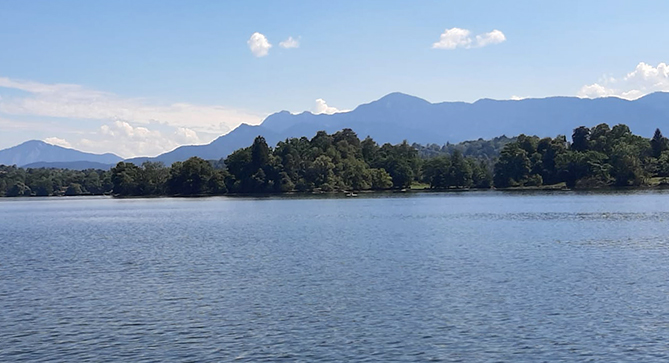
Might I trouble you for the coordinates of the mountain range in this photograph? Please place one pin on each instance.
(397, 117)
(35, 151)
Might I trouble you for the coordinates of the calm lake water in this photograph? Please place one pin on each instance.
(471, 277)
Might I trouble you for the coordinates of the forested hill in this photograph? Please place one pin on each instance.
(597, 157)
(397, 117)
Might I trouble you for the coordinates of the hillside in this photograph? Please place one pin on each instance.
(34, 151)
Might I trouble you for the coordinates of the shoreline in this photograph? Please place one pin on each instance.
(354, 193)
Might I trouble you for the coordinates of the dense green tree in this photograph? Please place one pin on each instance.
(19, 189)
(125, 178)
(191, 177)
(626, 165)
(482, 176)
(380, 179)
(580, 139)
(659, 143)
(92, 183)
(600, 138)
(437, 172)
(260, 153)
(550, 149)
(513, 167)
(460, 171)
(74, 189)
(321, 171)
(152, 178)
(574, 166)
(43, 187)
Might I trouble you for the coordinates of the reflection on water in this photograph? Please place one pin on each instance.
(520, 277)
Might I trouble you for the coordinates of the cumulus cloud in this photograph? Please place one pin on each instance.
(58, 142)
(453, 38)
(290, 43)
(77, 102)
(258, 44)
(322, 107)
(644, 79)
(186, 136)
(461, 38)
(493, 37)
(127, 140)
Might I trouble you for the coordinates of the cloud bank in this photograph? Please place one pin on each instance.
(461, 38)
(58, 106)
(644, 79)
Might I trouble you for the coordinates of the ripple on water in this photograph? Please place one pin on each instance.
(472, 277)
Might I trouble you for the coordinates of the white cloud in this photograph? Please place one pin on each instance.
(322, 107)
(77, 102)
(258, 44)
(186, 136)
(461, 38)
(644, 79)
(290, 43)
(453, 38)
(493, 37)
(58, 142)
(127, 140)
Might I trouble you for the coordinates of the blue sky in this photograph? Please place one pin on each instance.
(142, 77)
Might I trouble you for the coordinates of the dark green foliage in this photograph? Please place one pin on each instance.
(19, 189)
(74, 189)
(580, 139)
(597, 157)
(659, 144)
(191, 177)
(513, 167)
(380, 179)
(46, 182)
(125, 179)
(436, 172)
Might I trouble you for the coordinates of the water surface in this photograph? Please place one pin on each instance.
(490, 276)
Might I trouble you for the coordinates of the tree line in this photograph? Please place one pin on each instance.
(597, 157)
(16, 182)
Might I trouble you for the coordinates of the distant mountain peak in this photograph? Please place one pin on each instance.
(400, 98)
(33, 151)
(33, 143)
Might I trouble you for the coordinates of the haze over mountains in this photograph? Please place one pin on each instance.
(397, 117)
(36, 151)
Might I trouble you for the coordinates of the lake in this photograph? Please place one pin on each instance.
(470, 277)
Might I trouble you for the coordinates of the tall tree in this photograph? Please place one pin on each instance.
(580, 139)
(658, 143)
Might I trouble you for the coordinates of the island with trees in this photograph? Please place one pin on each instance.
(598, 157)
